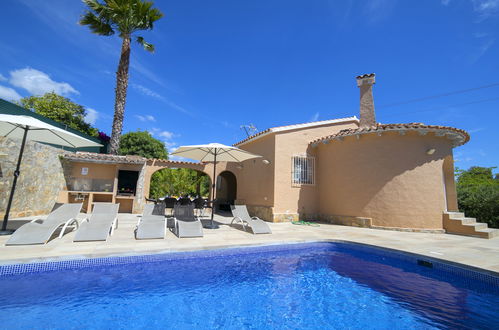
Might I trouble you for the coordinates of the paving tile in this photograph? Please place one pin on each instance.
(476, 252)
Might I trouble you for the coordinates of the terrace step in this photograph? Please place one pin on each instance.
(458, 223)
(489, 233)
(455, 215)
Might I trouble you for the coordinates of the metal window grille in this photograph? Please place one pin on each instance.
(303, 170)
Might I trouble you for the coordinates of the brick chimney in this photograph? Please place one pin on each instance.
(367, 117)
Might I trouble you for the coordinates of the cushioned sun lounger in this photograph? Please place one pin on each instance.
(100, 225)
(257, 225)
(152, 224)
(40, 231)
(186, 224)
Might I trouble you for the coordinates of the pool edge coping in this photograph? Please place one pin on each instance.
(77, 257)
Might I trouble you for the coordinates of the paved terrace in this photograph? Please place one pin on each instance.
(481, 253)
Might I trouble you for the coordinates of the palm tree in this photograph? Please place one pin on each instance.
(123, 17)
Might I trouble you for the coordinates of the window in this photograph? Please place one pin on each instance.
(302, 170)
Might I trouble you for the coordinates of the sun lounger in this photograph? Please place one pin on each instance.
(186, 224)
(39, 232)
(100, 225)
(257, 225)
(152, 224)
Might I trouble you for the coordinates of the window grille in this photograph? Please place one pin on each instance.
(302, 170)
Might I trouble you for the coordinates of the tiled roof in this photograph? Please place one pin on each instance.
(174, 162)
(104, 158)
(295, 126)
(367, 75)
(458, 136)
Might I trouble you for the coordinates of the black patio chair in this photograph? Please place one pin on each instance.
(170, 203)
(199, 205)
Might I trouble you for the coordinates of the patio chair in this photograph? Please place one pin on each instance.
(199, 205)
(184, 200)
(186, 224)
(100, 225)
(40, 231)
(152, 224)
(170, 203)
(257, 225)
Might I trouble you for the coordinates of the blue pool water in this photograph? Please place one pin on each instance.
(299, 286)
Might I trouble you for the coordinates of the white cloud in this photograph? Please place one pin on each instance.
(9, 94)
(145, 118)
(486, 7)
(2, 78)
(314, 117)
(38, 83)
(146, 91)
(476, 130)
(377, 10)
(166, 137)
(165, 134)
(91, 116)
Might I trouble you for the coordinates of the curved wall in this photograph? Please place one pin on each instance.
(389, 178)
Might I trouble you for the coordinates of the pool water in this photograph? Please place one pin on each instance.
(298, 286)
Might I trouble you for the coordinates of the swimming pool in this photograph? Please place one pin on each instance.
(307, 286)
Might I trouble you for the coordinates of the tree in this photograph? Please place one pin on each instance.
(141, 143)
(60, 109)
(124, 17)
(478, 194)
(179, 182)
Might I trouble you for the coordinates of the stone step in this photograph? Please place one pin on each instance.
(477, 225)
(455, 215)
(488, 233)
(458, 223)
(468, 220)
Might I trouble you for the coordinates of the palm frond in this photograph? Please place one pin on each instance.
(147, 46)
(106, 17)
(96, 25)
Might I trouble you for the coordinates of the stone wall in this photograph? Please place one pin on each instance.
(39, 183)
(346, 220)
(263, 212)
(139, 192)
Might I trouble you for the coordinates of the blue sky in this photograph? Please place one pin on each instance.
(222, 64)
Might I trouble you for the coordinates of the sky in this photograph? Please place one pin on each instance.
(221, 64)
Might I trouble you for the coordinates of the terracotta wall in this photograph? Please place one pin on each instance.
(255, 180)
(294, 200)
(95, 171)
(389, 178)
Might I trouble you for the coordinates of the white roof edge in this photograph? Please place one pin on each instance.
(298, 126)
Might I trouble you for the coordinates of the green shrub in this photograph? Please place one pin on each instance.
(478, 194)
(179, 182)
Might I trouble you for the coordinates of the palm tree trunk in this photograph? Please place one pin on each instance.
(120, 97)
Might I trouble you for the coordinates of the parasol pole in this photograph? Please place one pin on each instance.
(4, 230)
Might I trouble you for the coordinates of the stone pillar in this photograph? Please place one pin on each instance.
(365, 83)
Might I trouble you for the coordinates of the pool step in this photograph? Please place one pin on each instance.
(458, 223)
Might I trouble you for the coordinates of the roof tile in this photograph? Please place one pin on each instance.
(464, 136)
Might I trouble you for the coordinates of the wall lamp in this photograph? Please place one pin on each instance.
(430, 151)
(265, 161)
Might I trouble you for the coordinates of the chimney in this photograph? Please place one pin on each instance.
(365, 82)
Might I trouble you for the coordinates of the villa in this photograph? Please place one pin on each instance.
(347, 171)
